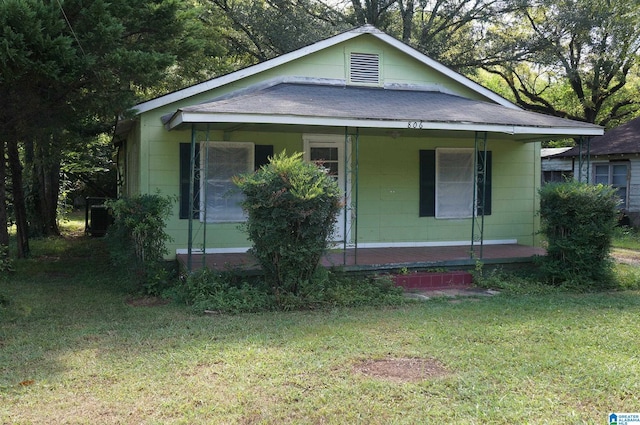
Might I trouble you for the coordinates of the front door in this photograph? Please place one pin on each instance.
(329, 150)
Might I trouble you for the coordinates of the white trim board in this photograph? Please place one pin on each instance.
(182, 117)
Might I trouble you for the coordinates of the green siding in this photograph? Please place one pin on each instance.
(388, 189)
(389, 167)
(131, 160)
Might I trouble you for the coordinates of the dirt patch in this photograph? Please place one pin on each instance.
(626, 256)
(147, 302)
(402, 369)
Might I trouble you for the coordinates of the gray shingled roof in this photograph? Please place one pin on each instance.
(624, 139)
(363, 103)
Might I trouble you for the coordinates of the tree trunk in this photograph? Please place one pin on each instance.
(43, 180)
(406, 11)
(49, 191)
(48, 181)
(32, 194)
(4, 222)
(22, 233)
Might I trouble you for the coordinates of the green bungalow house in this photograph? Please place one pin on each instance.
(425, 156)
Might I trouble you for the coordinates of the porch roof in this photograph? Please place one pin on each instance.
(621, 140)
(338, 105)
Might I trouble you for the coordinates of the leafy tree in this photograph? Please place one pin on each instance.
(570, 58)
(451, 31)
(373, 12)
(67, 70)
(199, 51)
(262, 29)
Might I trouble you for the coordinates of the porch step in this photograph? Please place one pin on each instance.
(434, 280)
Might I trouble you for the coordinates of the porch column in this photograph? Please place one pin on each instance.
(355, 198)
(192, 162)
(346, 195)
(204, 204)
(584, 157)
(479, 192)
(351, 185)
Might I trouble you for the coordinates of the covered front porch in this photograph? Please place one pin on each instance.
(419, 178)
(380, 259)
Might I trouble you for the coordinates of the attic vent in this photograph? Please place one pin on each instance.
(365, 68)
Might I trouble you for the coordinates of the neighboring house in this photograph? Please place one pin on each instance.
(613, 159)
(555, 169)
(419, 150)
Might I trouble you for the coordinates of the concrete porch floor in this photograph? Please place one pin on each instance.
(380, 259)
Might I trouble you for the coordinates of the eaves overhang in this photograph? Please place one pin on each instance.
(332, 105)
(182, 120)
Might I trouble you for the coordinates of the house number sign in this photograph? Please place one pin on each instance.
(415, 125)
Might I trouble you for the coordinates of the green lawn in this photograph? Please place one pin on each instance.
(72, 350)
(627, 238)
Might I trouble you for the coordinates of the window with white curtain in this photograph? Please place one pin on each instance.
(219, 162)
(454, 183)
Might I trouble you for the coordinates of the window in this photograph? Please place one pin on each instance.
(616, 175)
(327, 157)
(262, 153)
(446, 183)
(454, 183)
(219, 162)
(555, 176)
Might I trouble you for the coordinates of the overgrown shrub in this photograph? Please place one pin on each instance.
(578, 221)
(292, 206)
(227, 292)
(137, 238)
(521, 281)
(6, 263)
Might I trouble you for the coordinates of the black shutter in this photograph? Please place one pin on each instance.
(487, 189)
(185, 165)
(427, 183)
(262, 155)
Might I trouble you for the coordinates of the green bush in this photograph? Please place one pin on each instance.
(227, 292)
(6, 263)
(292, 206)
(521, 281)
(578, 221)
(137, 238)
